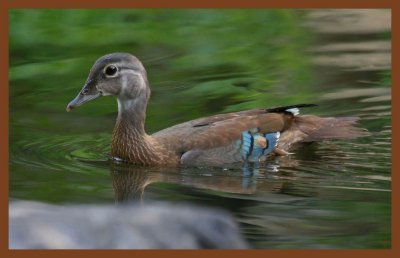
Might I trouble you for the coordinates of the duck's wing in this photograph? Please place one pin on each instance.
(220, 130)
(224, 129)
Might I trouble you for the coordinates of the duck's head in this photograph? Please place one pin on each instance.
(117, 74)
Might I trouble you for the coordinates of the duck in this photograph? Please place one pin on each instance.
(245, 137)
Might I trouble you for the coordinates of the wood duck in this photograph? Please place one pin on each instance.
(246, 136)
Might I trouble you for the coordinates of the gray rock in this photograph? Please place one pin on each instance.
(34, 225)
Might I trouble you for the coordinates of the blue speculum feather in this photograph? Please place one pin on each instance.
(254, 144)
(272, 139)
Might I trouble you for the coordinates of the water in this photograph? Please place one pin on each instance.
(333, 194)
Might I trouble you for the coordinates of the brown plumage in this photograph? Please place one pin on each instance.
(212, 140)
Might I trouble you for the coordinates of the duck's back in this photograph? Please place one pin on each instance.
(251, 135)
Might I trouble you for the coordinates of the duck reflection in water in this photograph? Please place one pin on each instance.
(275, 176)
(130, 181)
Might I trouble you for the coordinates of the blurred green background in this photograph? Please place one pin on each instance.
(208, 61)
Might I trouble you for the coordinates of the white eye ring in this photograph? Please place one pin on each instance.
(111, 70)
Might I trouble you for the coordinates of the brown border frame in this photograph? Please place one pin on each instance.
(4, 111)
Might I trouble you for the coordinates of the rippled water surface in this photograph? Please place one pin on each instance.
(332, 194)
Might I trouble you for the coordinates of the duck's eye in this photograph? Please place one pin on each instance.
(111, 70)
(85, 91)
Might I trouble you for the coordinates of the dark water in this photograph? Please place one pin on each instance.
(333, 194)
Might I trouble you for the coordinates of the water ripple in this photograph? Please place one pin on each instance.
(60, 152)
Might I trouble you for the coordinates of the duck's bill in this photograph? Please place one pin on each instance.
(81, 99)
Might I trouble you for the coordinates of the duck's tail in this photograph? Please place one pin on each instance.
(323, 128)
(307, 128)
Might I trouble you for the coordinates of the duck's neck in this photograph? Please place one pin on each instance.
(130, 141)
(132, 113)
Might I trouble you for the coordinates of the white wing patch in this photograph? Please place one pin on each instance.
(294, 111)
